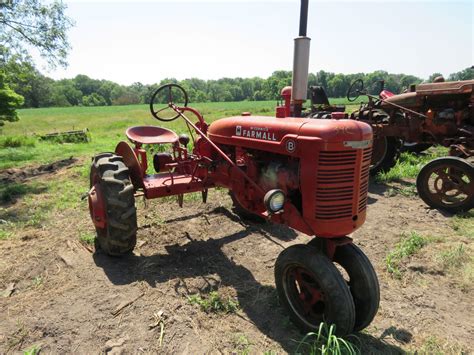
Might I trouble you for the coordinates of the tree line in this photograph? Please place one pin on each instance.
(43, 25)
(39, 90)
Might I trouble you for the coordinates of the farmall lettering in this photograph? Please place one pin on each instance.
(261, 133)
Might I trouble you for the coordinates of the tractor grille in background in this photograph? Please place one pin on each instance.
(364, 179)
(335, 176)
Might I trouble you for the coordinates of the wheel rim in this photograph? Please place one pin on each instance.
(96, 203)
(449, 186)
(379, 151)
(304, 294)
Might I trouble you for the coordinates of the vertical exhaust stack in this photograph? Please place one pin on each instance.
(300, 63)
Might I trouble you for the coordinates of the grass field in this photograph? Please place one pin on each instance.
(106, 124)
(41, 215)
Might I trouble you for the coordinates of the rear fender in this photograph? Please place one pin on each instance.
(131, 161)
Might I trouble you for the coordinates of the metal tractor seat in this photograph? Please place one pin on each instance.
(150, 135)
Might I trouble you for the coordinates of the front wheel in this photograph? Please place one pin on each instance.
(361, 279)
(313, 291)
(447, 184)
(362, 282)
(112, 204)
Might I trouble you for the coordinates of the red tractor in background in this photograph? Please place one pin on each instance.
(440, 113)
(311, 175)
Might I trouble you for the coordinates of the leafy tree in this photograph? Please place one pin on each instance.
(9, 100)
(67, 89)
(466, 74)
(93, 99)
(36, 23)
(86, 85)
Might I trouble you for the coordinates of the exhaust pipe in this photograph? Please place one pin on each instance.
(299, 83)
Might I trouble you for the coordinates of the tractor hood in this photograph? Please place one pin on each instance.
(412, 99)
(408, 100)
(273, 134)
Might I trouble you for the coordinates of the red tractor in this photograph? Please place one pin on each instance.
(311, 175)
(432, 113)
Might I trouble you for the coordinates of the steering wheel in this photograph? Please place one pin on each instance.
(355, 90)
(164, 97)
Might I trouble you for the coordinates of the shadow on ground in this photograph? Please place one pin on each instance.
(199, 258)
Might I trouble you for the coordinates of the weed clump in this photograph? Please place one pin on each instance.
(408, 245)
(17, 141)
(214, 303)
(325, 342)
(87, 238)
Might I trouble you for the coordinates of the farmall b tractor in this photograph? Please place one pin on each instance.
(311, 175)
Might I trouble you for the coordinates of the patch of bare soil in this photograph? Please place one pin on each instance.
(66, 298)
(18, 175)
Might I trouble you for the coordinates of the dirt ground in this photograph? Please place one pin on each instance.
(61, 296)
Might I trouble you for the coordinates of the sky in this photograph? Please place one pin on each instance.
(145, 42)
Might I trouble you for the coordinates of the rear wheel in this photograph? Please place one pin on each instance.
(416, 148)
(112, 203)
(385, 153)
(385, 150)
(448, 184)
(313, 291)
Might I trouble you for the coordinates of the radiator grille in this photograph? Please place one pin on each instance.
(335, 189)
(364, 179)
(336, 177)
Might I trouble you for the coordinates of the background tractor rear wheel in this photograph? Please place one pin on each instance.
(385, 153)
(415, 148)
(448, 184)
(112, 177)
(243, 213)
(312, 290)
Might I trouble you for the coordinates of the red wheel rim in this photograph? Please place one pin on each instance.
(304, 294)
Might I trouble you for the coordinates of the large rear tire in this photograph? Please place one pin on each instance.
(313, 291)
(415, 148)
(385, 153)
(112, 177)
(447, 184)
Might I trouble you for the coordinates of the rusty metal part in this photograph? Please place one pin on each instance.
(447, 183)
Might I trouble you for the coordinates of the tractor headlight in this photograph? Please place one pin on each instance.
(274, 200)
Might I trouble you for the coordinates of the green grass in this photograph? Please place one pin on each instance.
(34, 350)
(10, 192)
(433, 345)
(455, 257)
(408, 245)
(214, 303)
(87, 238)
(106, 126)
(463, 224)
(406, 191)
(17, 141)
(4, 234)
(325, 342)
(409, 165)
